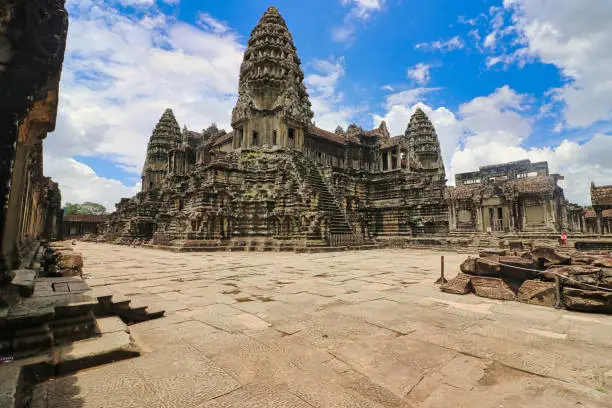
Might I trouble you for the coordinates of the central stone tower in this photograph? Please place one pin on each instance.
(273, 109)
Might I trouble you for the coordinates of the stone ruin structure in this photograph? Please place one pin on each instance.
(512, 197)
(33, 38)
(278, 178)
(601, 198)
(543, 276)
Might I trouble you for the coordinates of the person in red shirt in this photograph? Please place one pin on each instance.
(563, 239)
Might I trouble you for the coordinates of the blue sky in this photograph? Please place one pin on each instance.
(501, 79)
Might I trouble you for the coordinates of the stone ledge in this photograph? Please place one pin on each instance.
(24, 281)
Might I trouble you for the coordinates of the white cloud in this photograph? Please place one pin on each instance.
(492, 129)
(121, 73)
(575, 36)
(363, 8)
(420, 73)
(455, 43)
(79, 183)
(360, 10)
(327, 101)
(210, 23)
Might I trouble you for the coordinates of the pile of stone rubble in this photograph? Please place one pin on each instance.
(584, 279)
(61, 260)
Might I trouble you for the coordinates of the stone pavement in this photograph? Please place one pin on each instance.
(349, 329)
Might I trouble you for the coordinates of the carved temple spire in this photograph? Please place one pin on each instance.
(423, 143)
(271, 78)
(165, 137)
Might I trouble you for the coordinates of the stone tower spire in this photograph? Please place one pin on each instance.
(166, 136)
(423, 144)
(272, 96)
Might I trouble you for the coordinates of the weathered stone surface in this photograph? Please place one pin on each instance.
(459, 285)
(488, 266)
(492, 288)
(24, 281)
(33, 39)
(604, 262)
(493, 252)
(468, 266)
(550, 255)
(577, 276)
(71, 261)
(587, 300)
(92, 352)
(537, 293)
(9, 381)
(517, 267)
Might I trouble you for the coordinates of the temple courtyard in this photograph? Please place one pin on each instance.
(346, 329)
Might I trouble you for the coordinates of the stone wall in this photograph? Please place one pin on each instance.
(33, 38)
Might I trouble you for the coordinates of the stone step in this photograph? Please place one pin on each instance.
(111, 324)
(107, 348)
(74, 328)
(74, 309)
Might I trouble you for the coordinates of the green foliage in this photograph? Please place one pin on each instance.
(86, 208)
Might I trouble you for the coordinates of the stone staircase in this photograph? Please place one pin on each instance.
(341, 232)
(108, 305)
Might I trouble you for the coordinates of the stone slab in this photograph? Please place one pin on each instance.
(459, 285)
(537, 293)
(24, 281)
(111, 324)
(96, 351)
(492, 288)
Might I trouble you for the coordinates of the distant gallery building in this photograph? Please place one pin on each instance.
(276, 177)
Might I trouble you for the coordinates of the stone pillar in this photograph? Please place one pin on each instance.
(598, 213)
(389, 160)
(398, 161)
(479, 219)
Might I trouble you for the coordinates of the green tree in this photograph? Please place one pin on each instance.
(86, 208)
(93, 208)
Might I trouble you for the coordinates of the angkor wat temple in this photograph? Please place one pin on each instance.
(279, 178)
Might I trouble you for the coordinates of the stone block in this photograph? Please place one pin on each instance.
(576, 276)
(459, 285)
(604, 262)
(33, 342)
(492, 288)
(71, 261)
(588, 300)
(492, 252)
(24, 281)
(537, 293)
(517, 268)
(488, 266)
(74, 309)
(28, 318)
(550, 255)
(468, 266)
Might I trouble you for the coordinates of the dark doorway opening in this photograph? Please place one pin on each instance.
(255, 138)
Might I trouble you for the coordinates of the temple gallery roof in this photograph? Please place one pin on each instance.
(86, 218)
(601, 195)
(530, 185)
(593, 214)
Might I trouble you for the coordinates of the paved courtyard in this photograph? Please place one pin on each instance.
(348, 329)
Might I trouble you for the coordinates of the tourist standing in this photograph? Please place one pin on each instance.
(563, 239)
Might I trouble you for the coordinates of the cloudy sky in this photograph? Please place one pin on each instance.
(502, 80)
